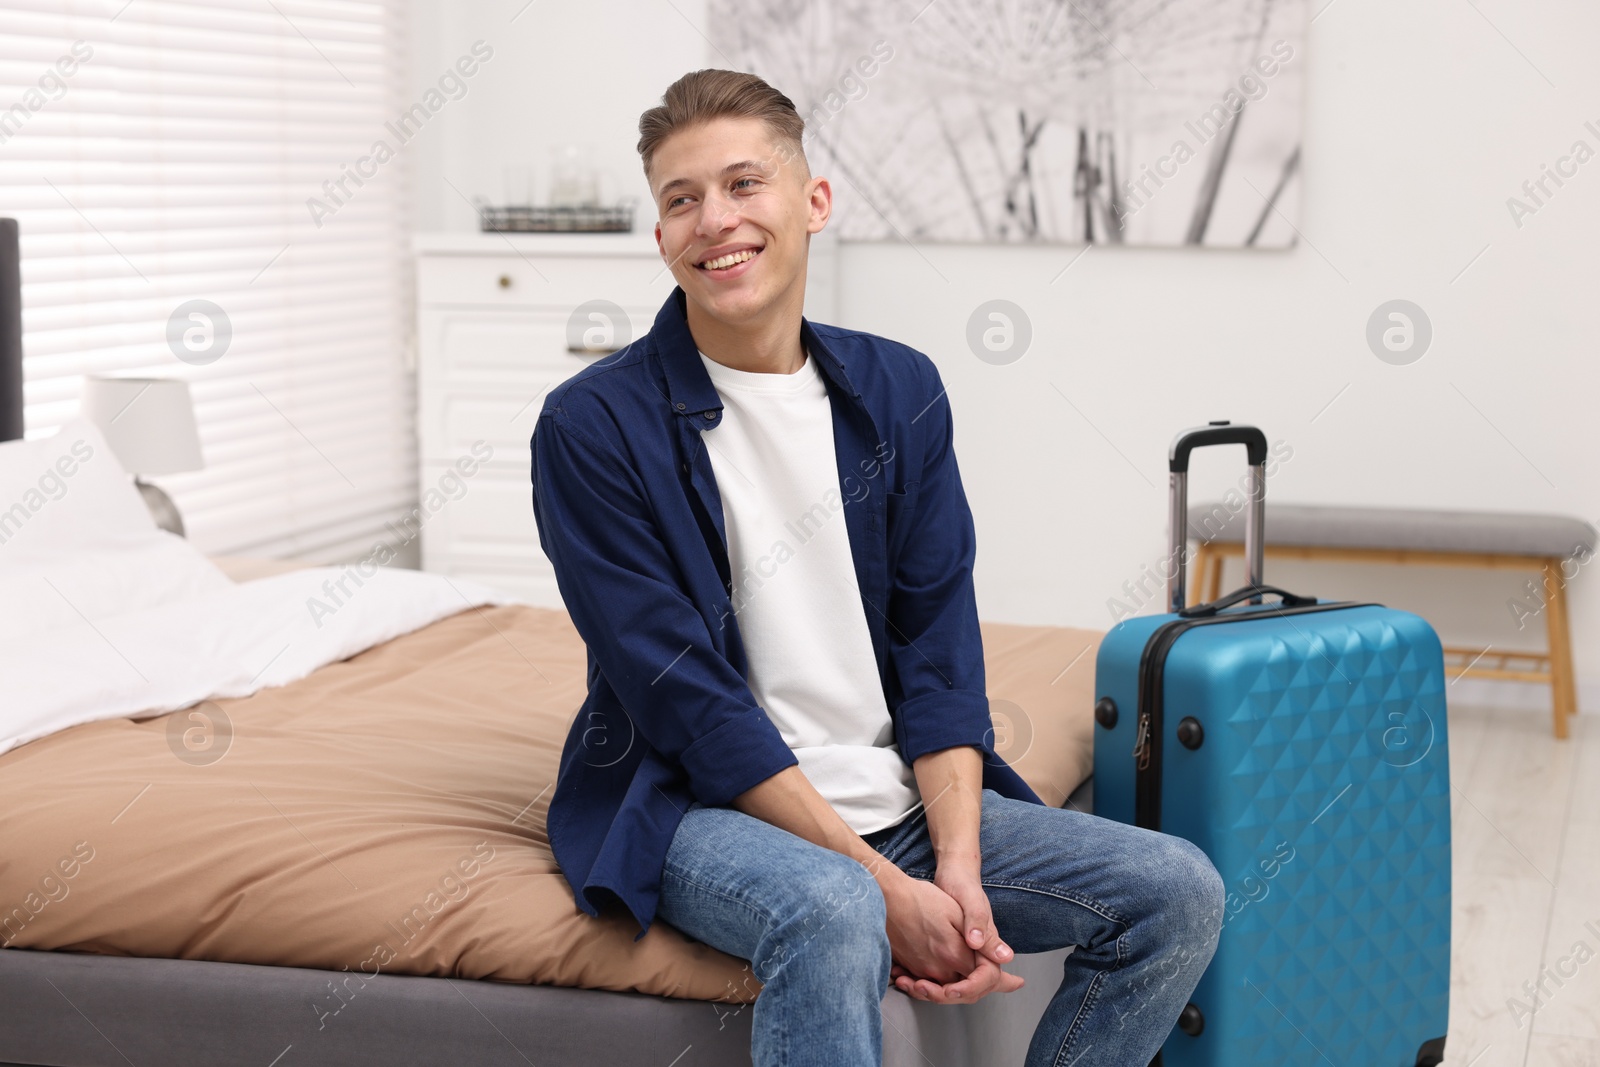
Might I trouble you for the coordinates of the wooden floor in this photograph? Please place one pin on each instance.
(1526, 821)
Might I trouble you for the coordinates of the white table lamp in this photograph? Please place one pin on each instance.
(149, 424)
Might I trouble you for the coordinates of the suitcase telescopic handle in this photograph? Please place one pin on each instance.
(1216, 433)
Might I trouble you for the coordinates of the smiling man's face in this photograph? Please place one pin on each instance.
(736, 210)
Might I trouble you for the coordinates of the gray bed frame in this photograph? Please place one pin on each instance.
(65, 1009)
(10, 332)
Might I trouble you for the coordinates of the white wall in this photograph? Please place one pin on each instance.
(1421, 120)
(561, 73)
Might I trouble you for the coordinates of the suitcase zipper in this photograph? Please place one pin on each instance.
(1148, 742)
(1141, 742)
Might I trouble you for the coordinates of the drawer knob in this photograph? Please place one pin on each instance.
(505, 281)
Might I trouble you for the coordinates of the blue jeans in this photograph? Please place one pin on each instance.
(1144, 910)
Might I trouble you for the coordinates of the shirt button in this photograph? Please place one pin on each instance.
(710, 415)
(686, 468)
(680, 407)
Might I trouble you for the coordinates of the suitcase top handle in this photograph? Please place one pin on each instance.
(1249, 592)
(1216, 433)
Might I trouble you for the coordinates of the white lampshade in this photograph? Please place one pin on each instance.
(148, 422)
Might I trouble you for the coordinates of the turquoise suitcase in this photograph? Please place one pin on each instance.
(1301, 744)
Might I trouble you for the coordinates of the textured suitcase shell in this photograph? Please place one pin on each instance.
(1321, 793)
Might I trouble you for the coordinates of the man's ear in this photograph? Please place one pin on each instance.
(820, 198)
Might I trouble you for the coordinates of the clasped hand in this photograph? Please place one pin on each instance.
(945, 947)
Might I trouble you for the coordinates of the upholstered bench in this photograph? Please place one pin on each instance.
(1555, 545)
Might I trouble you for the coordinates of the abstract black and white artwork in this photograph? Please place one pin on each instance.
(1138, 122)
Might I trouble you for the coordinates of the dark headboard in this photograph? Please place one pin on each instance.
(10, 332)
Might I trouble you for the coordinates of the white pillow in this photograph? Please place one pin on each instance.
(77, 542)
(67, 490)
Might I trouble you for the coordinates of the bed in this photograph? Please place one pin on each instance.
(264, 813)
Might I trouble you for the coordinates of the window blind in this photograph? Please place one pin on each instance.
(162, 160)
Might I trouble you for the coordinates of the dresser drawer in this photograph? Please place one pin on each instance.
(487, 518)
(558, 282)
(516, 348)
(449, 426)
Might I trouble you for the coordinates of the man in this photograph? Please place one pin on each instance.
(758, 526)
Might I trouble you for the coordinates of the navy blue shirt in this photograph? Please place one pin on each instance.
(629, 514)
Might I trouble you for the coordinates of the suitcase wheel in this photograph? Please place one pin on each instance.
(1191, 734)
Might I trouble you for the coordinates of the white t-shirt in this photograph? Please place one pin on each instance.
(795, 593)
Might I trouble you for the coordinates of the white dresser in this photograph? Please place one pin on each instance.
(498, 325)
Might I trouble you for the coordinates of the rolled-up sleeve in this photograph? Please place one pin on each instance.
(933, 635)
(626, 599)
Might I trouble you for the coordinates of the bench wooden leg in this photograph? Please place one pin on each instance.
(1197, 580)
(1563, 689)
(1206, 584)
(1214, 585)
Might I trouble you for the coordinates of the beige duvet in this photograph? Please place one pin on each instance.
(387, 815)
